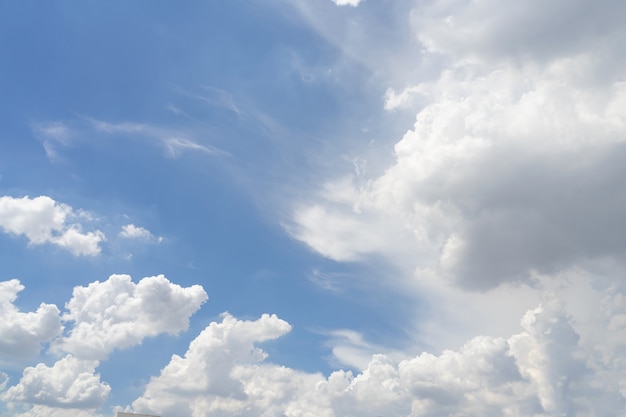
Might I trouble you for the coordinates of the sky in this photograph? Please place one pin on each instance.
(313, 208)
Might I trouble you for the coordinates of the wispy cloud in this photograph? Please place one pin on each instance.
(52, 135)
(116, 128)
(175, 146)
(174, 141)
(326, 280)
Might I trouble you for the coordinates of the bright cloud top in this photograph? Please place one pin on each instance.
(118, 313)
(22, 334)
(43, 220)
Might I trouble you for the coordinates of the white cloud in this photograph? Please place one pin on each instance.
(532, 30)
(404, 99)
(542, 371)
(352, 3)
(44, 220)
(130, 231)
(201, 383)
(22, 334)
(513, 165)
(69, 383)
(557, 364)
(349, 348)
(118, 313)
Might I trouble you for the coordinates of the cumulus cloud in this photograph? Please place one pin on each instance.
(542, 371)
(352, 3)
(118, 313)
(548, 368)
(513, 166)
(130, 231)
(22, 334)
(201, 381)
(69, 383)
(43, 220)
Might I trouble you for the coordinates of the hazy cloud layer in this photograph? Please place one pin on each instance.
(118, 313)
(43, 220)
(22, 334)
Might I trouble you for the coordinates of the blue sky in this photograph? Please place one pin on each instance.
(312, 208)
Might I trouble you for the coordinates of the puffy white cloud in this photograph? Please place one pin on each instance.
(542, 371)
(22, 334)
(44, 220)
(201, 382)
(352, 3)
(69, 383)
(130, 231)
(118, 313)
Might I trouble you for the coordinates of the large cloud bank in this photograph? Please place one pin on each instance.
(516, 157)
(547, 368)
(542, 371)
